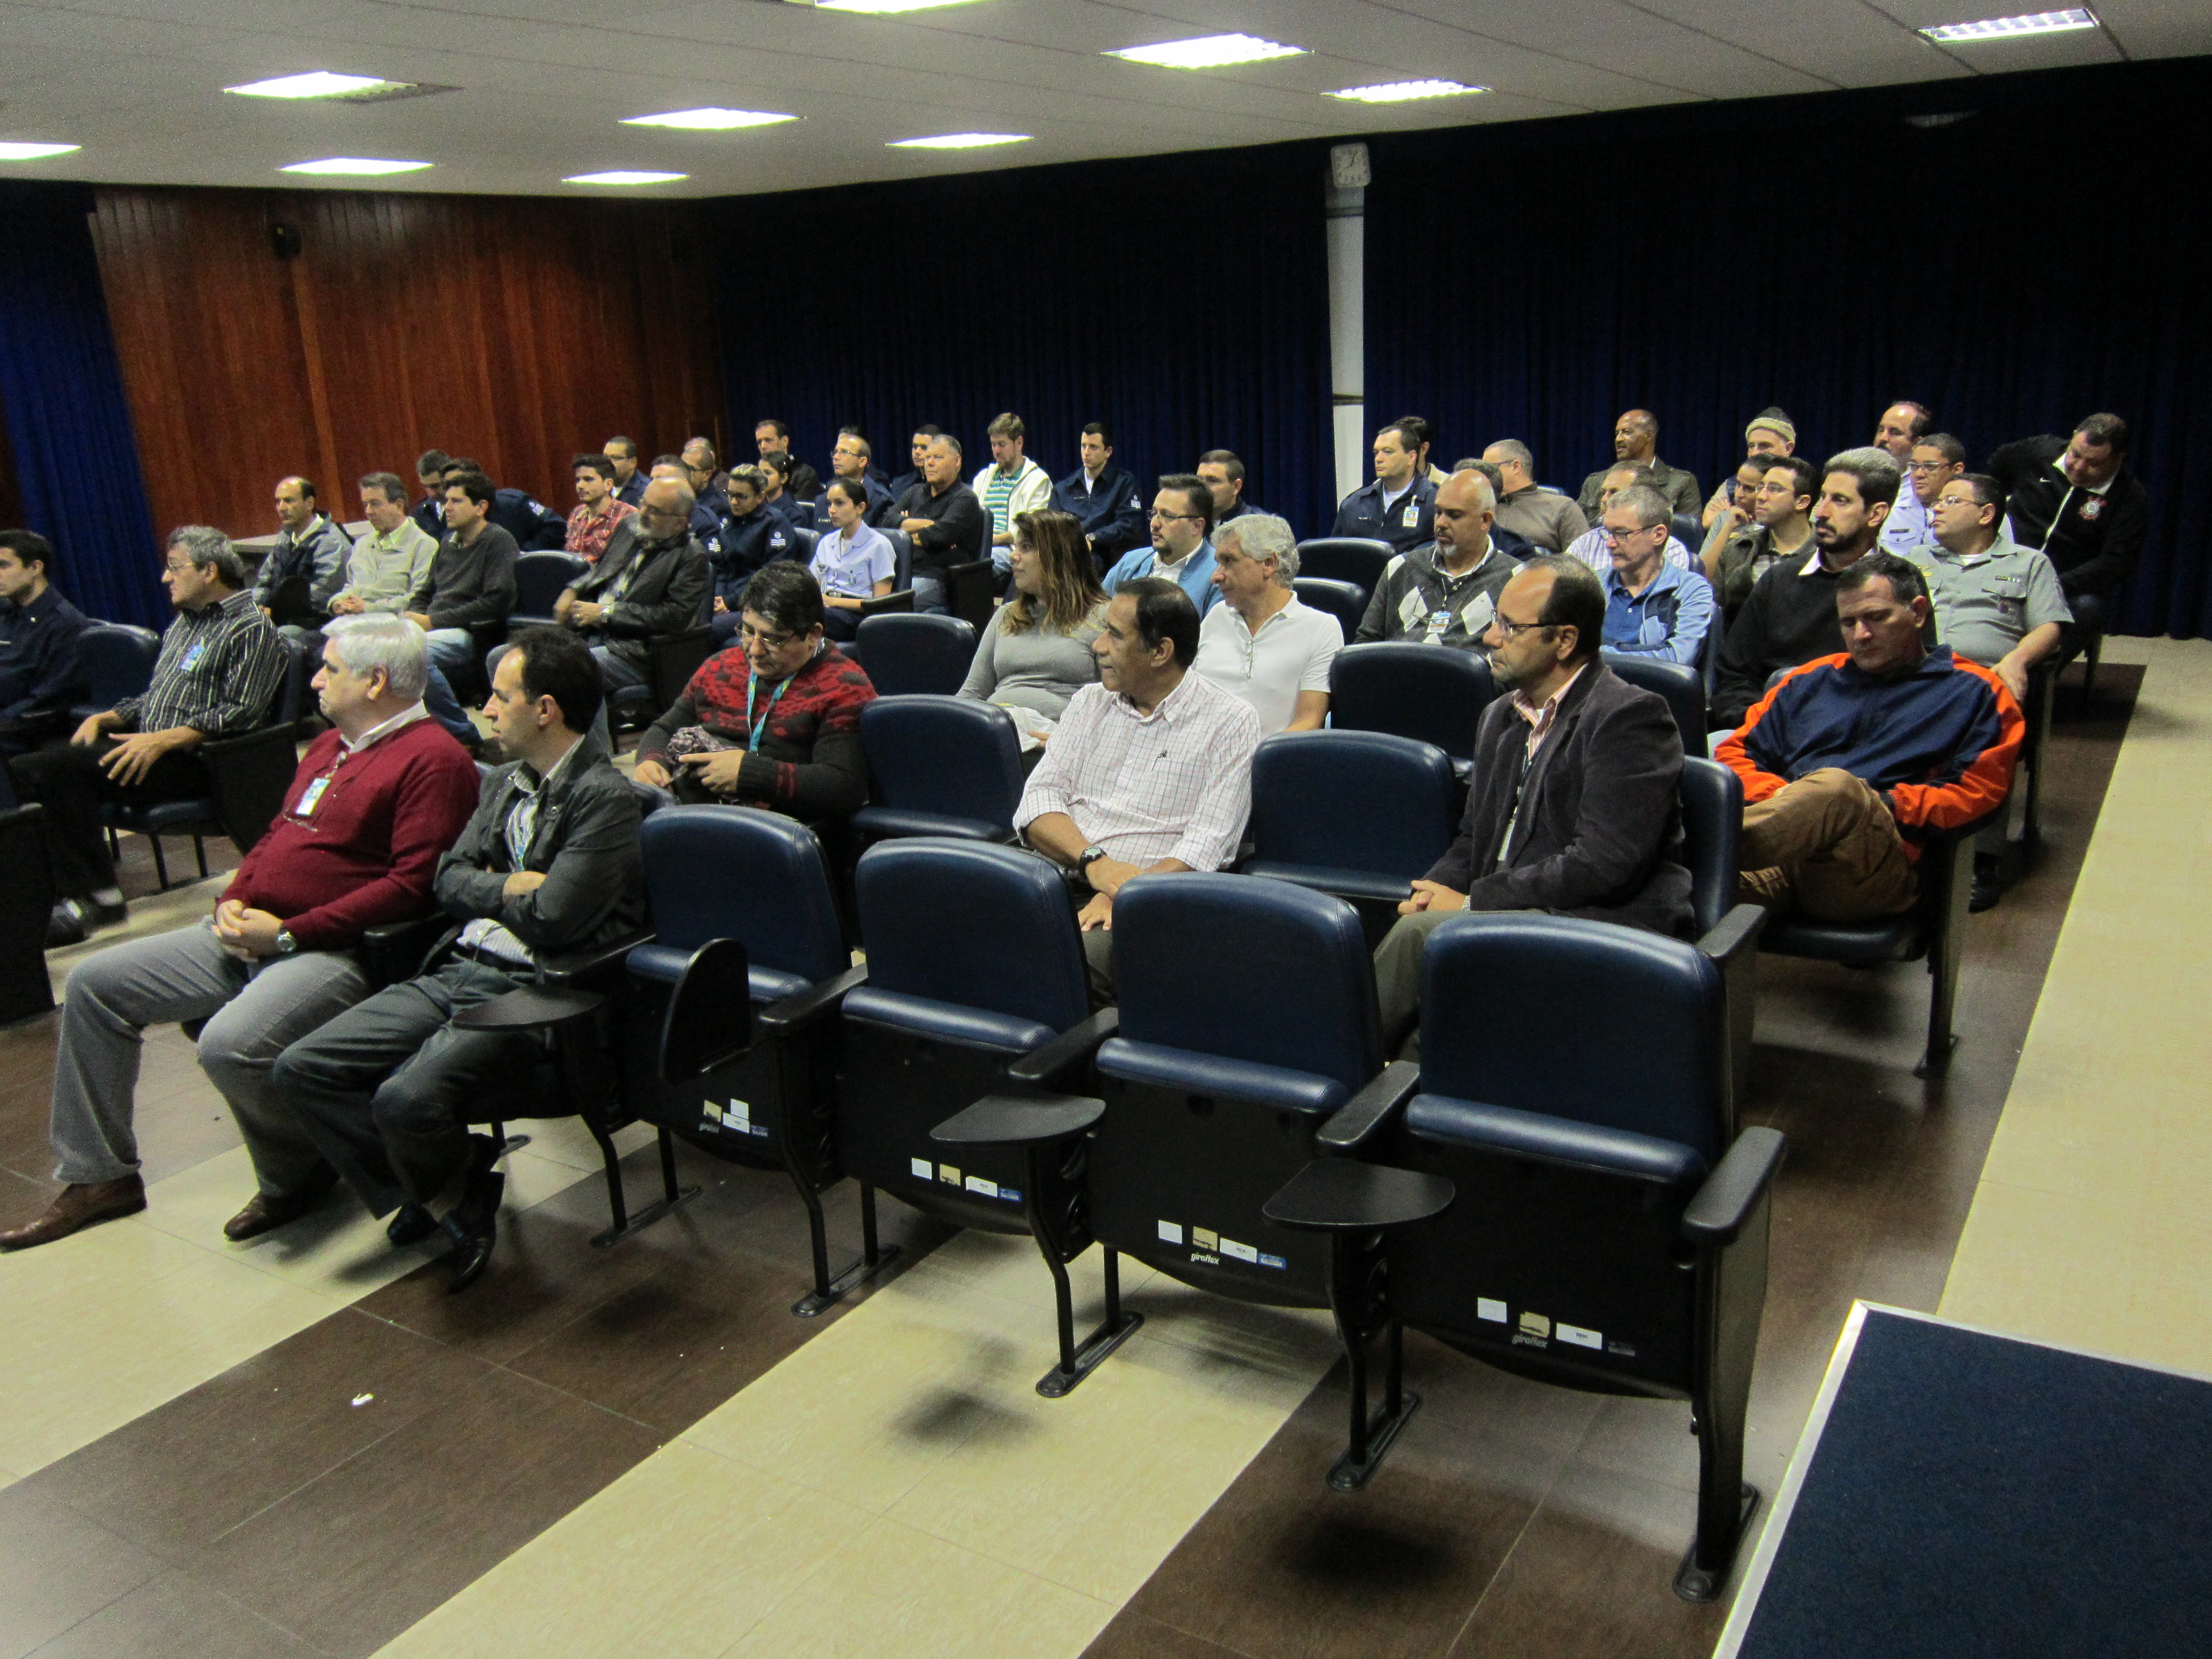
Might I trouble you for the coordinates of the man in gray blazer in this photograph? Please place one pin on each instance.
(548, 864)
(1573, 807)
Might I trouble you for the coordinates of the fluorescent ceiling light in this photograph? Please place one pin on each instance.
(621, 176)
(884, 8)
(709, 120)
(28, 152)
(358, 164)
(2005, 28)
(1401, 92)
(316, 84)
(1207, 52)
(959, 140)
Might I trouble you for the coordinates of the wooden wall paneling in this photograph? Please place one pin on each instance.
(519, 331)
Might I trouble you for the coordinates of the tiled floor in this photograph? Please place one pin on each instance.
(311, 1449)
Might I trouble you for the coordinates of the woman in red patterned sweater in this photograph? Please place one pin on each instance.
(775, 724)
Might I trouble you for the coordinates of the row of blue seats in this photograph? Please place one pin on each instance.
(1589, 1213)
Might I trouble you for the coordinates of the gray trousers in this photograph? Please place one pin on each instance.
(1398, 978)
(253, 1011)
(385, 1089)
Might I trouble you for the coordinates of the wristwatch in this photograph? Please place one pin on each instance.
(1089, 856)
(286, 945)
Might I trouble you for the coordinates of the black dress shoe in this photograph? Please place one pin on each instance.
(1988, 882)
(411, 1224)
(473, 1225)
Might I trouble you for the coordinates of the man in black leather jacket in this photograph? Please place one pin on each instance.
(549, 864)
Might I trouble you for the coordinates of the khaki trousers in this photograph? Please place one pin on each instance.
(1826, 845)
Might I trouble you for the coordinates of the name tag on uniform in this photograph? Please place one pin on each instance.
(310, 795)
(1411, 517)
(192, 657)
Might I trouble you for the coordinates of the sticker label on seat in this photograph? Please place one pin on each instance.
(1579, 1337)
(922, 1167)
(1171, 1231)
(734, 1119)
(1241, 1252)
(1490, 1307)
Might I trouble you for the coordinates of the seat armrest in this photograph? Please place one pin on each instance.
(1355, 1122)
(1734, 933)
(1040, 1066)
(560, 968)
(1718, 1212)
(781, 1019)
(393, 951)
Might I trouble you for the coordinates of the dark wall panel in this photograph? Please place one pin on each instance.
(516, 331)
(2014, 270)
(1098, 290)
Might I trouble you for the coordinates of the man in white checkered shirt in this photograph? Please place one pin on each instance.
(1150, 770)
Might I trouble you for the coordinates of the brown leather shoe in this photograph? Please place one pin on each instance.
(79, 1204)
(263, 1212)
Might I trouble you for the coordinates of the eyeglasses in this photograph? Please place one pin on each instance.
(1170, 518)
(176, 569)
(1612, 535)
(1925, 466)
(752, 635)
(1514, 629)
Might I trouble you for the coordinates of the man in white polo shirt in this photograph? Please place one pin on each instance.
(1259, 643)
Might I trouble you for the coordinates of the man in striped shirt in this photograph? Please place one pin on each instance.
(1149, 771)
(1011, 485)
(217, 677)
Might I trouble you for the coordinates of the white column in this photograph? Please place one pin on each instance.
(1347, 211)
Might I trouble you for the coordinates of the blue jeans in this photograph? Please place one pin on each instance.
(445, 708)
(929, 594)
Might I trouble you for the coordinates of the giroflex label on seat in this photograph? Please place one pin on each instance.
(1536, 1330)
(925, 1170)
(1208, 1247)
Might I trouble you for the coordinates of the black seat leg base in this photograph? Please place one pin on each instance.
(643, 1218)
(1696, 1581)
(1078, 1360)
(1351, 1471)
(824, 1297)
(828, 1292)
(1938, 1060)
(626, 1222)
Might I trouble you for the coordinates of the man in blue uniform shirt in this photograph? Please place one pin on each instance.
(751, 535)
(1400, 506)
(1104, 498)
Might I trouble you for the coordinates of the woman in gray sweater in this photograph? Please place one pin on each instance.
(1036, 654)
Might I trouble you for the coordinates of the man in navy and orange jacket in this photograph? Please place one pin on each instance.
(1849, 758)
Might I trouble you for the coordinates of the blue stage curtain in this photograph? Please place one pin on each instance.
(1181, 300)
(77, 457)
(2014, 270)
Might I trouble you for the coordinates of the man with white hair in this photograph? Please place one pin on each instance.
(378, 799)
(1259, 643)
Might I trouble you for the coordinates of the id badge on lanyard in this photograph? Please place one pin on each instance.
(311, 796)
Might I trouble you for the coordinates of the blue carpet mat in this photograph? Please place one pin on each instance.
(1973, 1495)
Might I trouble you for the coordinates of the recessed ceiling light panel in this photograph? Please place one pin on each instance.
(17, 151)
(2007, 28)
(365, 164)
(1405, 92)
(959, 140)
(317, 84)
(624, 176)
(709, 120)
(883, 8)
(1208, 52)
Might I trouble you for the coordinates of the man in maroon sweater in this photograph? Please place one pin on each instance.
(375, 803)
